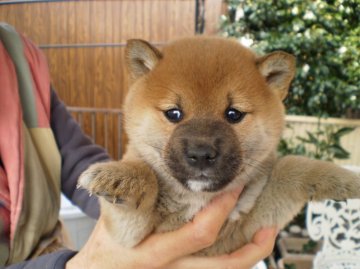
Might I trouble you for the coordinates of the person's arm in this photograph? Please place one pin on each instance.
(77, 153)
(56, 260)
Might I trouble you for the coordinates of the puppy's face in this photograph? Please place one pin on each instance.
(206, 111)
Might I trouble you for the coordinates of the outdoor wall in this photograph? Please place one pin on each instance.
(302, 124)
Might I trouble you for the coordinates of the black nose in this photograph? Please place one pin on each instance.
(201, 155)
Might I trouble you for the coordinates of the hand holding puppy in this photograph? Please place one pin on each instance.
(173, 250)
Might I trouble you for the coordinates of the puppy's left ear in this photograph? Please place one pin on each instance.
(141, 57)
(278, 69)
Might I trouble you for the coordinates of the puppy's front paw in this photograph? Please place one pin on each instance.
(128, 184)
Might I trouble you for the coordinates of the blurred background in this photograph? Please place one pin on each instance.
(84, 43)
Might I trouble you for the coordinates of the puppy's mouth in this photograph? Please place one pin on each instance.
(201, 181)
(205, 184)
(198, 185)
(203, 155)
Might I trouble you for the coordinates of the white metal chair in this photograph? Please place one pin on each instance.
(260, 265)
(337, 224)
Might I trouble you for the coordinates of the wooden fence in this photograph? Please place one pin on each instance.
(103, 126)
(84, 40)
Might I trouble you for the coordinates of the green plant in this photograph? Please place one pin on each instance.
(322, 144)
(324, 37)
(290, 266)
(310, 247)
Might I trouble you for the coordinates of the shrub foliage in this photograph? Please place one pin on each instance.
(323, 35)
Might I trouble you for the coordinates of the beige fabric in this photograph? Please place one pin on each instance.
(38, 222)
(56, 240)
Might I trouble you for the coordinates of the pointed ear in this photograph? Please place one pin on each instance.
(278, 69)
(141, 57)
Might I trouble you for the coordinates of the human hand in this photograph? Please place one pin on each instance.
(173, 250)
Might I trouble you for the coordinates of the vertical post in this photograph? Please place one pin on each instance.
(119, 137)
(80, 119)
(106, 118)
(199, 16)
(93, 126)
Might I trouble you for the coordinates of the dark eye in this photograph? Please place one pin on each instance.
(174, 115)
(233, 115)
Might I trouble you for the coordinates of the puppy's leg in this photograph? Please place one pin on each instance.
(296, 180)
(127, 192)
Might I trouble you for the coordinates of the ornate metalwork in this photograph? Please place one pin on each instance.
(337, 224)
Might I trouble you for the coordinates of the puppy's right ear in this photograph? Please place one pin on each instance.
(278, 69)
(141, 57)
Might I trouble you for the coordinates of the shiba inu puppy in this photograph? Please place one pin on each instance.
(205, 116)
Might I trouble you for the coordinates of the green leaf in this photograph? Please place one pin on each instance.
(339, 152)
(343, 131)
(302, 139)
(312, 138)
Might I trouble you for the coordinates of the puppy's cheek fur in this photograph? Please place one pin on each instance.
(147, 130)
(262, 133)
